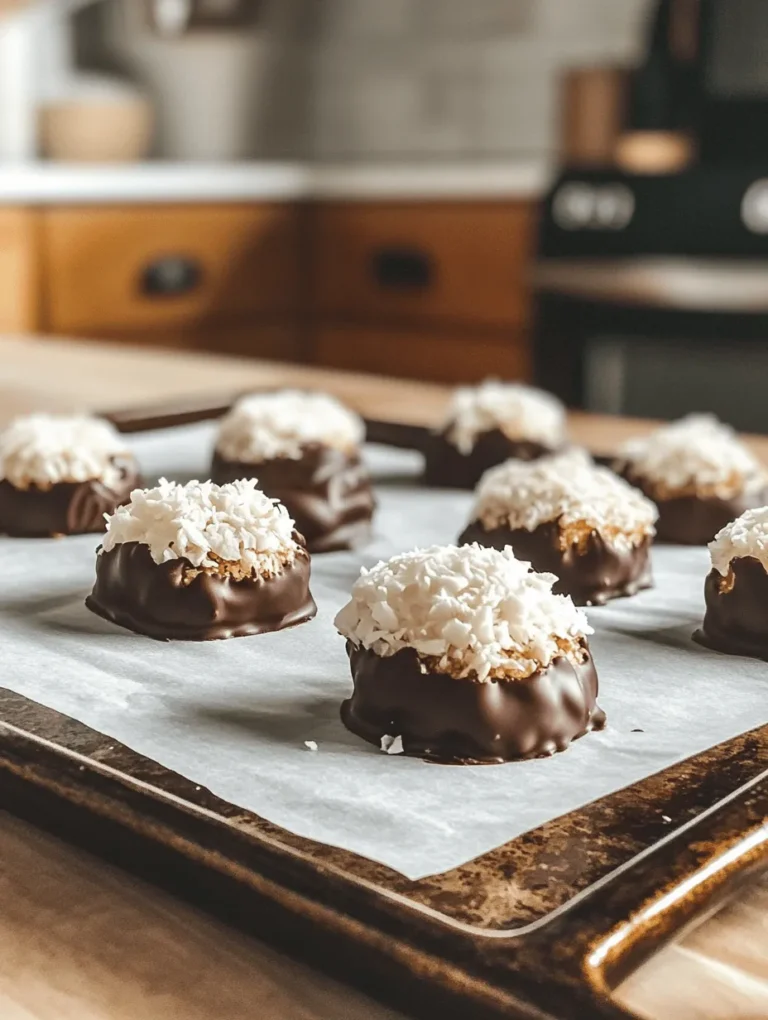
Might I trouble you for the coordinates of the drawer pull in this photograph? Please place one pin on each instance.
(401, 268)
(170, 276)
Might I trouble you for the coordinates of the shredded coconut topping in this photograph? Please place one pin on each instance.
(746, 536)
(467, 611)
(264, 426)
(569, 489)
(520, 412)
(231, 529)
(697, 455)
(44, 449)
(391, 745)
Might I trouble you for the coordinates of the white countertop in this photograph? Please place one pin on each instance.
(43, 183)
(470, 180)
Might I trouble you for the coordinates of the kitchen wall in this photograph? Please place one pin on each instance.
(453, 77)
(371, 79)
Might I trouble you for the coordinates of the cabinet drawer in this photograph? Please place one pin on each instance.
(153, 267)
(465, 262)
(444, 356)
(18, 270)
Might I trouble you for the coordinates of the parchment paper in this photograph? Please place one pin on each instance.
(234, 715)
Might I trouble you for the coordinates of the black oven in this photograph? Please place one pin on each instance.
(652, 290)
(651, 294)
(732, 78)
(647, 358)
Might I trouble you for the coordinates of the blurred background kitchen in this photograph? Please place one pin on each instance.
(573, 192)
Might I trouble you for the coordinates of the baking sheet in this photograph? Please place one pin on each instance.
(234, 715)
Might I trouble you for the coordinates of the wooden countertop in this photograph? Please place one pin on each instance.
(80, 940)
(56, 375)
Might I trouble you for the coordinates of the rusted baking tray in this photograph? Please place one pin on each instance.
(543, 926)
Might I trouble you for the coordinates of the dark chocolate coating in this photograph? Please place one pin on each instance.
(591, 574)
(464, 722)
(66, 508)
(736, 621)
(327, 492)
(695, 520)
(448, 468)
(150, 598)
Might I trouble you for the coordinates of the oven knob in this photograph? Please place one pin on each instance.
(614, 207)
(754, 207)
(573, 206)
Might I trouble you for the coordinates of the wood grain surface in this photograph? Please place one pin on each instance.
(19, 269)
(476, 254)
(247, 257)
(80, 940)
(445, 355)
(41, 373)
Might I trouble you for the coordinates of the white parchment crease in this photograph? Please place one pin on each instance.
(235, 716)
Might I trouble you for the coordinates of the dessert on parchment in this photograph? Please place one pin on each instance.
(59, 474)
(462, 654)
(305, 450)
(202, 561)
(488, 424)
(736, 589)
(699, 474)
(570, 518)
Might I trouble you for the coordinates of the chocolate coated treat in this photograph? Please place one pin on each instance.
(157, 599)
(464, 722)
(591, 574)
(695, 520)
(446, 467)
(66, 508)
(327, 492)
(736, 619)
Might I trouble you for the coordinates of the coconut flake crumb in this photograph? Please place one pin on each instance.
(520, 412)
(311, 745)
(697, 455)
(231, 529)
(466, 610)
(45, 449)
(392, 745)
(264, 426)
(569, 489)
(746, 536)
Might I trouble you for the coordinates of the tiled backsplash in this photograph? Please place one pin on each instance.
(424, 78)
(378, 79)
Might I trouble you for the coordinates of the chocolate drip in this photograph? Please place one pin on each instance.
(695, 520)
(591, 573)
(66, 508)
(327, 492)
(157, 599)
(465, 722)
(736, 620)
(446, 467)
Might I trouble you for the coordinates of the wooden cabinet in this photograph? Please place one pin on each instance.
(462, 262)
(428, 290)
(217, 276)
(431, 290)
(439, 355)
(19, 260)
